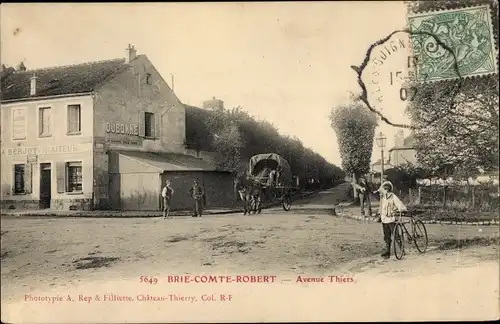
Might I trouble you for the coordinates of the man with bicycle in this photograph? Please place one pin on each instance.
(389, 205)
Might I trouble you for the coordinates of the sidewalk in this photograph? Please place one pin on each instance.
(107, 213)
(125, 214)
(349, 210)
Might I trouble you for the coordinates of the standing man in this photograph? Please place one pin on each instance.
(242, 189)
(167, 194)
(197, 193)
(364, 196)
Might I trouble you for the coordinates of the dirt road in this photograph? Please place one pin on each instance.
(97, 256)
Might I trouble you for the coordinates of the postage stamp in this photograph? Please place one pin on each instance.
(467, 32)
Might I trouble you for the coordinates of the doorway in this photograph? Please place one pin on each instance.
(45, 185)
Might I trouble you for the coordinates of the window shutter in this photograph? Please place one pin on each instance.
(142, 122)
(61, 177)
(157, 126)
(40, 121)
(27, 178)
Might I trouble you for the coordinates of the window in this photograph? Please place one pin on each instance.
(74, 119)
(44, 127)
(19, 171)
(148, 78)
(19, 124)
(74, 176)
(149, 124)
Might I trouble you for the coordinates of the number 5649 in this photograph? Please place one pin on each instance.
(149, 280)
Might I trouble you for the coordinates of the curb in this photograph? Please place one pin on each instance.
(442, 222)
(111, 215)
(117, 214)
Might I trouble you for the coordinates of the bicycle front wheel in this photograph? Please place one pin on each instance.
(398, 241)
(420, 236)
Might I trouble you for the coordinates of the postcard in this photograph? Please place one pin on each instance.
(226, 162)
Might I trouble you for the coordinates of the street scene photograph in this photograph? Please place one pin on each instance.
(249, 162)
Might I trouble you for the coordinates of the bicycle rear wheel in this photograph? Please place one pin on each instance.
(398, 242)
(420, 236)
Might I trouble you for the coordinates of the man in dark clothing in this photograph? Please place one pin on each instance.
(242, 187)
(197, 193)
(364, 190)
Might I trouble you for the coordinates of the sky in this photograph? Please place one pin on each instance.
(288, 63)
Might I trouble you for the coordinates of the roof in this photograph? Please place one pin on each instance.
(408, 144)
(260, 162)
(379, 162)
(269, 156)
(170, 161)
(61, 80)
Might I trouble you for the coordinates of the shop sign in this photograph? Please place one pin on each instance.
(121, 128)
(42, 150)
(32, 159)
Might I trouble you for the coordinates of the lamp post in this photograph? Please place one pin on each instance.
(381, 143)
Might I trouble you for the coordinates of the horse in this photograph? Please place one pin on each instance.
(250, 194)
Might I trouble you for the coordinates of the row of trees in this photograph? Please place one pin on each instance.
(236, 136)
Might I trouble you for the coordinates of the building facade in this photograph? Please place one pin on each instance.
(403, 152)
(100, 135)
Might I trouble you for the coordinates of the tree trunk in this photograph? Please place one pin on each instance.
(354, 181)
(473, 197)
(445, 195)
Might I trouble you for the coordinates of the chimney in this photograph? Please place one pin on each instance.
(21, 67)
(33, 80)
(130, 54)
(399, 139)
(214, 103)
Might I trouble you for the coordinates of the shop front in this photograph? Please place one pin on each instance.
(49, 176)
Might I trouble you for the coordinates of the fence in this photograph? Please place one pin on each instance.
(465, 198)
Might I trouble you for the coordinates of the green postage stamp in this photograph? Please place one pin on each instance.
(464, 36)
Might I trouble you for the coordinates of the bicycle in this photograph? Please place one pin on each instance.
(400, 233)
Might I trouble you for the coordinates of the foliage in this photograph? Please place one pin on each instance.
(457, 122)
(255, 137)
(355, 126)
(228, 144)
(4, 74)
(198, 134)
(226, 139)
(406, 175)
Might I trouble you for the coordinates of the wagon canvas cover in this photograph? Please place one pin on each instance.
(260, 163)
